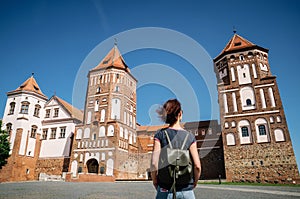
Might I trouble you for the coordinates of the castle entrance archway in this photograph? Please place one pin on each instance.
(92, 166)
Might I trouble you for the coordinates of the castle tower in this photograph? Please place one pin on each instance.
(256, 139)
(106, 143)
(22, 118)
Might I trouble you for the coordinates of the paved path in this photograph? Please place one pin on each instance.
(61, 190)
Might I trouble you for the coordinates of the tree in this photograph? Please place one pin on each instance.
(4, 146)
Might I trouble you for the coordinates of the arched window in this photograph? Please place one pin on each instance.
(8, 127)
(232, 58)
(110, 130)
(37, 109)
(98, 90)
(248, 102)
(279, 135)
(102, 117)
(241, 57)
(121, 132)
(12, 108)
(96, 105)
(115, 109)
(86, 133)
(89, 117)
(79, 134)
(102, 131)
(262, 129)
(33, 131)
(126, 134)
(24, 107)
(230, 139)
(245, 132)
(262, 132)
(247, 97)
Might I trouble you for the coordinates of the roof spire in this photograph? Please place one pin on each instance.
(234, 30)
(116, 42)
(32, 74)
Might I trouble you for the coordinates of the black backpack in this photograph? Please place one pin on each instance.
(176, 167)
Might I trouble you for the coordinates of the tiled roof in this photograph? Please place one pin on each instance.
(113, 59)
(30, 85)
(74, 112)
(237, 42)
(151, 128)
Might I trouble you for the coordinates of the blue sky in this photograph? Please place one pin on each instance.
(55, 39)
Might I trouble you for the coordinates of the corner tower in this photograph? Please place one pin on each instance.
(256, 139)
(106, 143)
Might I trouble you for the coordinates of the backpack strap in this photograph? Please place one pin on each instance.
(185, 139)
(168, 138)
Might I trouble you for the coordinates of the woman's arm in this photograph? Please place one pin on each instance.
(197, 164)
(154, 162)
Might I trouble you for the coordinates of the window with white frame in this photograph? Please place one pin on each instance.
(24, 107)
(62, 132)
(53, 133)
(56, 111)
(47, 113)
(33, 131)
(37, 109)
(45, 133)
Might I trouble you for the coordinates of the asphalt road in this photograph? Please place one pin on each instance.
(61, 190)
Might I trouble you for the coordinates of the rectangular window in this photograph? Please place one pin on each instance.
(24, 108)
(45, 133)
(47, 113)
(33, 131)
(53, 133)
(262, 130)
(12, 108)
(56, 110)
(245, 132)
(62, 132)
(37, 111)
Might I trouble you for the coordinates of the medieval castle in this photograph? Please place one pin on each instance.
(52, 140)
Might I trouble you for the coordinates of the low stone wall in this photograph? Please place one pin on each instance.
(89, 178)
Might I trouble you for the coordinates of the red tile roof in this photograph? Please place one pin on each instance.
(237, 42)
(113, 59)
(74, 112)
(30, 85)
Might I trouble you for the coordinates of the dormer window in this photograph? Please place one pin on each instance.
(24, 107)
(238, 44)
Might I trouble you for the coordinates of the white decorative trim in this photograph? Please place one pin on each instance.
(205, 148)
(94, 149)
(206, 140)
(249, 114)
(230, 90)
(264, 85)
(124, 150)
